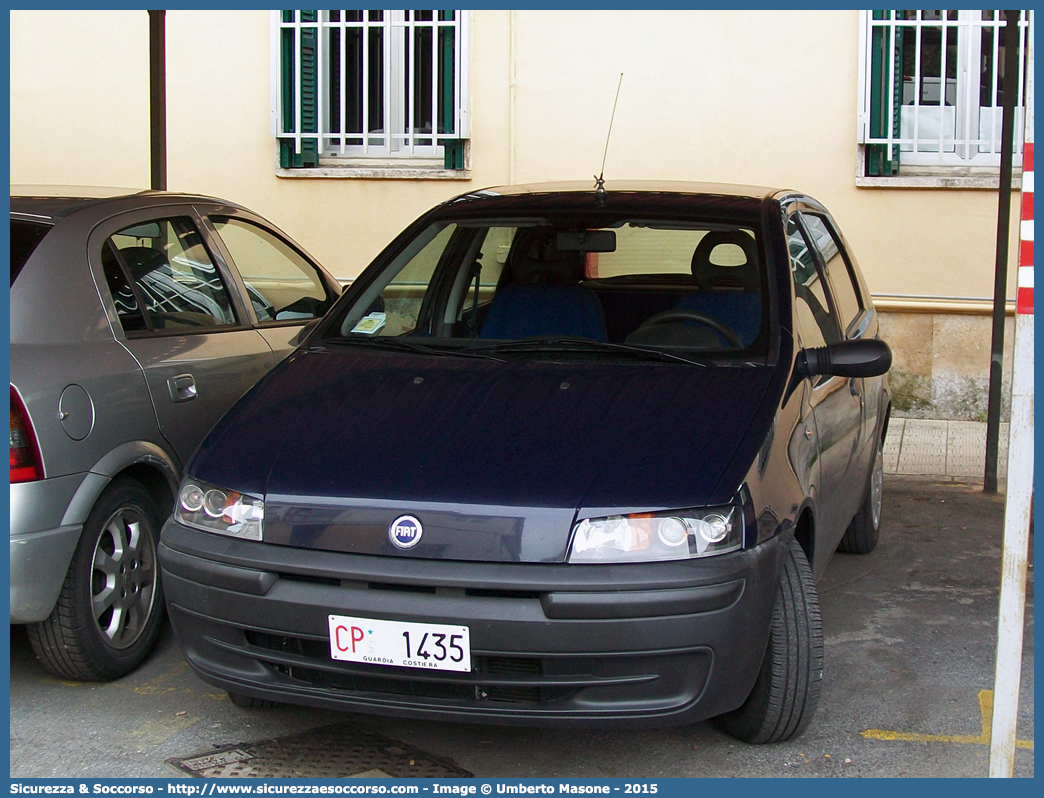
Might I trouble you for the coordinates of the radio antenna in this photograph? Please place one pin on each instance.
(600, 180)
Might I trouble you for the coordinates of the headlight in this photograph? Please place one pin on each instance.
(647, 537)
(213, 509)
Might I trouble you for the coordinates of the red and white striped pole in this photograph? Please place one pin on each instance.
(1012, 615)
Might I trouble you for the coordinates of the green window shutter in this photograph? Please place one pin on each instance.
(883, 57)
(309, 79)
(452, 148)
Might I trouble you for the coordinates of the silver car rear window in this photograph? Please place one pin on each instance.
(25, 236)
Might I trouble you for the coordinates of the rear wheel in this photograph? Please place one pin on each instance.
(862, 534)
(786, 693)
(110, 609)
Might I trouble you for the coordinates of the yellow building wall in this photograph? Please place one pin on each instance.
(764, 97)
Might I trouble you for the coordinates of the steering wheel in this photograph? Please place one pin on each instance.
(686, 314)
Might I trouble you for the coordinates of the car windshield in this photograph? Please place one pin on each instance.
(596, 286)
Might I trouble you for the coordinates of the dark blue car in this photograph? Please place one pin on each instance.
(558, 456)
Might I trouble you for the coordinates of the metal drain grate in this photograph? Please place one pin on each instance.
(330, 752)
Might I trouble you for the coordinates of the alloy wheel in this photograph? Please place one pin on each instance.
(123, 578)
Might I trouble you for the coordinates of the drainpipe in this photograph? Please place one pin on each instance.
(1000, 280)
(158, 99)
(512, 23)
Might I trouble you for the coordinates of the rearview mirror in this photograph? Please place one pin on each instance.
(858, 358)
(586, 241)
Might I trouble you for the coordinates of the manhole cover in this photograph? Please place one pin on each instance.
(330, 752)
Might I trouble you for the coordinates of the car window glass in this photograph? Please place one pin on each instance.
(127, 310)
(641, 250)
(281, 284)
(814, 320)
(24, 238)
(493, 255)
(174, 275)
(395, 306)
(839, 273)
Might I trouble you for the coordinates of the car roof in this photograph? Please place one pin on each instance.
(649, 186)
(50, 203)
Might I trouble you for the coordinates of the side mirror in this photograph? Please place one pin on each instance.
(858, 358)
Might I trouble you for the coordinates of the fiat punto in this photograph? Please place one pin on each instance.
(560, 455)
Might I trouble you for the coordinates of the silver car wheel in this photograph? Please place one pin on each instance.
(123, 578)
(877, 489)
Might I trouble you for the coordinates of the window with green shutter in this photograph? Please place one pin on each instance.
(932, 90)
(384, 86)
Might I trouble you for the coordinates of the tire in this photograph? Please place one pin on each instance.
(865, 528)
(785, 696)
(246, 702)
(110, 609)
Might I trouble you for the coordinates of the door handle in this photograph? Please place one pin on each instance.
(182, 387)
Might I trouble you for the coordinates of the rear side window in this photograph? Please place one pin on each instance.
(25, 236)
(163, 269)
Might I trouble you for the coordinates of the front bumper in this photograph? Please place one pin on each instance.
(636, 645)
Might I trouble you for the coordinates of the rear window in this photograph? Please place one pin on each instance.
(24, 238)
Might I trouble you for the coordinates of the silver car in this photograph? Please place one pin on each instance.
(137, 319)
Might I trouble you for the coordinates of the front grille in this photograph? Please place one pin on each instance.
(483, 684)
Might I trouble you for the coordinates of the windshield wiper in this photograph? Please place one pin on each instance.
(570, 344)
(397, 344)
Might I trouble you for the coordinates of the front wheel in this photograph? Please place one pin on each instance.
(785, 696)
(110, 609)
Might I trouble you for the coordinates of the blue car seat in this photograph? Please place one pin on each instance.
(542, 294)
(730, 294)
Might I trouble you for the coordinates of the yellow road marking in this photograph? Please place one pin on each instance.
(985, 709)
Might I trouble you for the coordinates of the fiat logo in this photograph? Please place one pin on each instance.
(405, 532)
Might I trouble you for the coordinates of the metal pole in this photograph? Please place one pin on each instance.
(158, 99)
(1011, 617)
(1000, 279)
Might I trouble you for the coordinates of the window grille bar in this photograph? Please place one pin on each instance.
(320, 50)
(411, 59)
(964, 65)
(343, 66)
(364, 82)
(995, 86)
(459, 85)
(943, 42)
(298, 82)
(917, 87)
(434, 78)
(1020, 98)
(389, 87)
(891, 88)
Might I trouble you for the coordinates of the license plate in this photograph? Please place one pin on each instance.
(432, 646)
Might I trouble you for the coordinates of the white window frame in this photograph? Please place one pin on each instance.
(925, 146)
(395, 150)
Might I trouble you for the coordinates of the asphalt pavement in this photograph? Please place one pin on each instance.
(910, 633)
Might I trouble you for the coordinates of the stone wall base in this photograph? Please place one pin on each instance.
(941, 364)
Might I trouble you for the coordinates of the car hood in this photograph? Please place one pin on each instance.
(495, 459)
